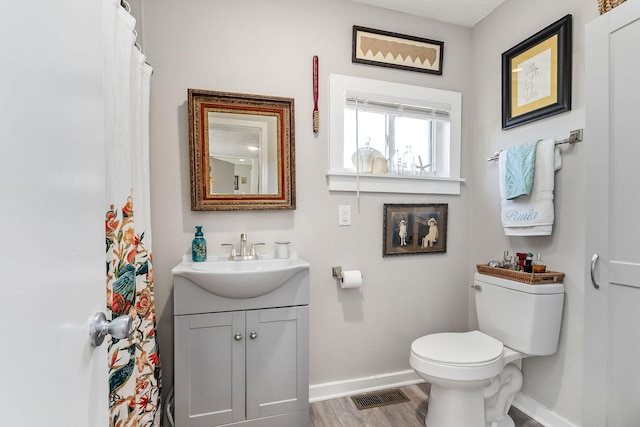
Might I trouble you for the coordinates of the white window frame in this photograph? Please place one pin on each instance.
(447, 179)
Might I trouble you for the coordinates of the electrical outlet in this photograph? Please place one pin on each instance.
(344, 215)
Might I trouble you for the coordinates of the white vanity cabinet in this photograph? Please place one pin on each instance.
(241, 366)
(242, 361)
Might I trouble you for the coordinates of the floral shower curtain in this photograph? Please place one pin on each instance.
(134, 365)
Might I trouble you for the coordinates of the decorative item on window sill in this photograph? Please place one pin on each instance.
(409, 162)
(421, 170)
(369, 160)
(606, 5)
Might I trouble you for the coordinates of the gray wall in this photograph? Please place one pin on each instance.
(266, 48)
(554, 381)
(259, 47)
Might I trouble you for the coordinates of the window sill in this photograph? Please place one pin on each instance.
(385, 183)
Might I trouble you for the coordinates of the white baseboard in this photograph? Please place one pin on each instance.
(348, 387)
(539, 413)
(334, 389)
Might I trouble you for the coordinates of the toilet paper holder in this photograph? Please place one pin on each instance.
(337, 273)
(347, 279)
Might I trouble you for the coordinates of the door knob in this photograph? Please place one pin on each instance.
(120, 327)
(253, 335)
(237, 336)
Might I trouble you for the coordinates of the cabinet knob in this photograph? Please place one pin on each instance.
(253, 335)
(238, 336)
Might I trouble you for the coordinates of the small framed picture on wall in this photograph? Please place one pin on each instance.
(414, 229)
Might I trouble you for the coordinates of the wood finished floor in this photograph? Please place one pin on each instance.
(341, 412)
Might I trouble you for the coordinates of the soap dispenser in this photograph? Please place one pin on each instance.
(199, 246)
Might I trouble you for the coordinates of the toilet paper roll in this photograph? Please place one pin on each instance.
(351, 279)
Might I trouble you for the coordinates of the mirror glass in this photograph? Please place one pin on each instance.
(242, 151)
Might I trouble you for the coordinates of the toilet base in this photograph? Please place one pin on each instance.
(499, 396)
(481, 403)
(456, 406)
(505, 421)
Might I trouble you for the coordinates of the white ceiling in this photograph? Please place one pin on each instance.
(461, 12)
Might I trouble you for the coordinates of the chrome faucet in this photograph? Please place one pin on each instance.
(243, 244)
(246, 251)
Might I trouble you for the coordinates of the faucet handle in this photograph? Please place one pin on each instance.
(233, 249)
(253, 249)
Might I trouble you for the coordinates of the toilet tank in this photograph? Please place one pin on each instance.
(524, 317)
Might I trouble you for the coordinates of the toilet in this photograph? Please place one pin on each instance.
(475, 375)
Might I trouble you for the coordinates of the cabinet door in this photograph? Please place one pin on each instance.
(611, 333)
(277, 361)
(209, 369)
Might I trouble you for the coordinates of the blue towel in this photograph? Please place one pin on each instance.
(519, 169)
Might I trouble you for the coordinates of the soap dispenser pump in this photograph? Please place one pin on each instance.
(199, 246)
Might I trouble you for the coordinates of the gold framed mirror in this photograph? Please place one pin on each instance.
(241, 150)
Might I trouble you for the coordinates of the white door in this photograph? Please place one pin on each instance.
(612, 312)
(52, 250)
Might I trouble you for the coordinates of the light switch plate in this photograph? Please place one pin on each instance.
(344, 215)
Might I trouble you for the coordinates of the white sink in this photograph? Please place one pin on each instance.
(240, 279)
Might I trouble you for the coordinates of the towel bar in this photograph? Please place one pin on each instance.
(574, 136)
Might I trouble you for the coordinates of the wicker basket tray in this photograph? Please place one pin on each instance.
(521, 276)
(606, 5)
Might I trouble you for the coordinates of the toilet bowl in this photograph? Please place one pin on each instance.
(464, 372)
(475, 375)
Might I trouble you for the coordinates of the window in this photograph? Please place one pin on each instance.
(406, 135)
(411, 132)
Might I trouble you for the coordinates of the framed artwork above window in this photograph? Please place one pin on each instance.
(400, 51)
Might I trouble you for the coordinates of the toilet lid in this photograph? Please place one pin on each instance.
(458, 348)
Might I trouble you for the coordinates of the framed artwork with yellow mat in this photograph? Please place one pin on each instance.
(536, 75)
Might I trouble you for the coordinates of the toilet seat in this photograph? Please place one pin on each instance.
(458, 348)
(465, 356)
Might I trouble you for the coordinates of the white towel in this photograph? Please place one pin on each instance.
(532, 215)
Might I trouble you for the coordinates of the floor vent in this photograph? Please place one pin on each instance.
(379, 398)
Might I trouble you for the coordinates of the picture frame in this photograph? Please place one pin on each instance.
(536, 75)
(414, 229)
(393, 50)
